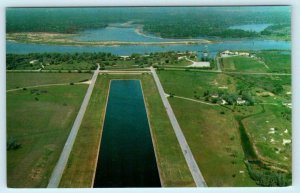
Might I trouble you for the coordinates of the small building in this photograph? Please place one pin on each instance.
(244, 54)
(240, 101)
(33, 61)
(224, 102)
(214, 96)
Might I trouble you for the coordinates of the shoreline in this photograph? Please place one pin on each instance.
(65, 39)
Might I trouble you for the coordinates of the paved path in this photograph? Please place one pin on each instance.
(62, 162)
(195, 171)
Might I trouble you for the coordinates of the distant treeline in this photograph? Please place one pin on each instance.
(168, 22)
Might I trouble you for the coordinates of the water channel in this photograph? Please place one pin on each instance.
(126, 157)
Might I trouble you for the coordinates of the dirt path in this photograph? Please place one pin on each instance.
(194, 100)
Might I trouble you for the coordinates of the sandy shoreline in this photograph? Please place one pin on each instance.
(65, 39)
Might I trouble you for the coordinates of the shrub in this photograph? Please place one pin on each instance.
(12, 144)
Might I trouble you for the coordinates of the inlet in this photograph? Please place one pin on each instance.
(126, 157)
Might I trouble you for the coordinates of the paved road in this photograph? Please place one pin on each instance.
(62, 162)
(195, 171)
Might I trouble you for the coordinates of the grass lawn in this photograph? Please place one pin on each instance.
(19, 79)
(171, 163)
(40, 121)
(242, 64)
(215, 142)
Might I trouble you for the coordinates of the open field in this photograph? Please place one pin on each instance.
(195, 117)
(20, 80)
(214, 140)
(194, 84)
(268, 131)
(39, 120)
(171, 163)
(242, 64)
(278, 61)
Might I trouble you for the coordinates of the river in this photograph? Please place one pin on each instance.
(132, 35)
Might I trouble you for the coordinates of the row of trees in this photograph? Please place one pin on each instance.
(33, 60)
(37, 60)
(267, 177)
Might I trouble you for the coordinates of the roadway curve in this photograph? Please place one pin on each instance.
(195, 171)
(64, 156)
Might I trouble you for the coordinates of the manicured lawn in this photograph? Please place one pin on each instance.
(171, 163)
(39, 120)
(20, 80)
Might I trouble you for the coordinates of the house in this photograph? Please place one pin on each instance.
(214, 96)
(244, 54)
(33, 61)
(240, 101)
(224, 102)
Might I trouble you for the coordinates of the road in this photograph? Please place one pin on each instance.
(63, 159)
(194, 100)
(218, 64)
(195, 171)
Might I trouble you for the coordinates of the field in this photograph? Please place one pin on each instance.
(214, 140)
(176, 82)
(243, 64)
(171, 163)
(278, 61)
(21, 80)
(268, 131)
(218, 129)
(38, 124)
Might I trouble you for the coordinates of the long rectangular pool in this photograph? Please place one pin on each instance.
(126, 157)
